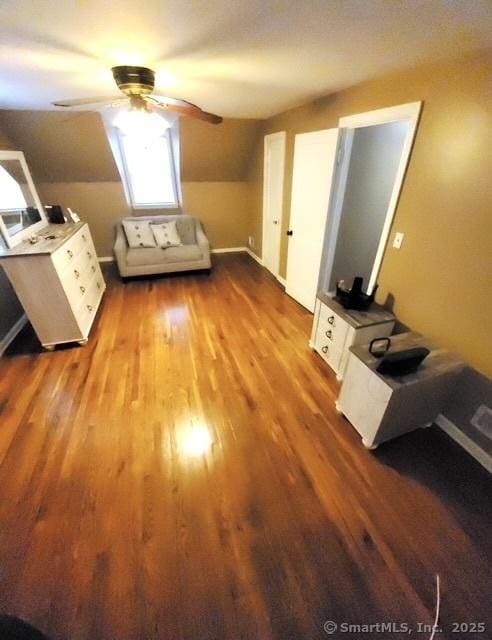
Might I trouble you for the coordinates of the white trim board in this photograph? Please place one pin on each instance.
(12, 333)
(239, 250)
(105, 259)
(228, 250)
(466, 442)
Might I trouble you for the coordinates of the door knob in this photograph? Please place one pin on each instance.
(275, 222)
(290, 232)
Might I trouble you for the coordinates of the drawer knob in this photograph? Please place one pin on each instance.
(331, 320)
(324, 349)
(93, 269)
(70, 253)
(89, 254)
(328, 334)
(82, 288)
(98, 285)
(84, 238)
(89, 307)
(76, 273)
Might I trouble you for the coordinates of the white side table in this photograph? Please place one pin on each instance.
(382, 407)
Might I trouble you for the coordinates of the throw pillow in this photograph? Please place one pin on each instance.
(166, 234)
(138, 233)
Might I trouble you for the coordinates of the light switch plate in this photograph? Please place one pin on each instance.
(397, 242)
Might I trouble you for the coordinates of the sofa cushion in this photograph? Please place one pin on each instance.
(138, 233)
(151, 256)
(186, 229)
(166, 234)
(184, 253)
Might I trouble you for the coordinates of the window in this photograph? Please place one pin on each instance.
(149, 170)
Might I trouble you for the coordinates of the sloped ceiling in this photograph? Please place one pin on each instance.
(73, 147)
(237, 58)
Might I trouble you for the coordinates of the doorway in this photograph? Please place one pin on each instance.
(273, 199)
(374, 151)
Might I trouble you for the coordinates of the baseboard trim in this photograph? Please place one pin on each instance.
(253, 255)
(12, 333)
(105, 259)
(237, 250)
(466, 442)
(229, 250)
(282, 281)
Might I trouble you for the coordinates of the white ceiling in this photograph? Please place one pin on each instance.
(237, 58)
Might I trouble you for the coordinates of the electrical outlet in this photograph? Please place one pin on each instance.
(482, 420)
(251, 242)
(397, 242)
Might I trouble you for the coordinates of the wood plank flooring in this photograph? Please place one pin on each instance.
(112, 527)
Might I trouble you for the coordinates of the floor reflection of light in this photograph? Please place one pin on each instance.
(197, 441)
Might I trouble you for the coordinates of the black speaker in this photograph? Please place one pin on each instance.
(399, 363)
(55, 214)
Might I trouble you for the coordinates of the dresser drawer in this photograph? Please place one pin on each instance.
(327, 351)
(68, 253)
(88, 308)
(329, 316)
(334, 334)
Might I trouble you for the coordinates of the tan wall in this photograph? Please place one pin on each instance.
(441, 279)
(217, 153)
(221, 206)
(5, 143)
(62, 146)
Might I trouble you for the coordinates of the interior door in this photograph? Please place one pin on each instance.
(273, 189)
(314, 163)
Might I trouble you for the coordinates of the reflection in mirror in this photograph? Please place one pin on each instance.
(21, 212)
(374, 161)
(17, 205)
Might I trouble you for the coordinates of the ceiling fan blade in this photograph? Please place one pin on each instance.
(192, 111)
(78, 102)
(179, 102)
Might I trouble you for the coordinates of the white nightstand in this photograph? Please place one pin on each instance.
(381, 407)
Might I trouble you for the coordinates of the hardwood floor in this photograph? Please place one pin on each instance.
(113, 526)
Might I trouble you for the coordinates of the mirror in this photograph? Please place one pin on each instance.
(21, 212)
(375, 153)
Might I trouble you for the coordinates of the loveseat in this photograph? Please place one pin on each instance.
(192, 254)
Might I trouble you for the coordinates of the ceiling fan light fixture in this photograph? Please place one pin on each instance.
(141, 122)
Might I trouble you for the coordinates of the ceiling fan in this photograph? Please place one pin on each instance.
(137, 85)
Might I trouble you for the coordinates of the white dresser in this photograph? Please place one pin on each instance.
(58, 281)
(336, 329)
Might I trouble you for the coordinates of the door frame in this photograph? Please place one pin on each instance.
(282, 136)
(409, 112)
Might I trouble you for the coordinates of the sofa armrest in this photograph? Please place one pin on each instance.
(120, 247)
(201, 238)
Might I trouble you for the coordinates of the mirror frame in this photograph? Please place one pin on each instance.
(409, 112)
(14, 240)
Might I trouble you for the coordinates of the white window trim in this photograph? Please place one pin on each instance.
(128, 182)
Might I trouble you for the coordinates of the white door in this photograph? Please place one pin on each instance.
(314, 163)
(273, 192)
